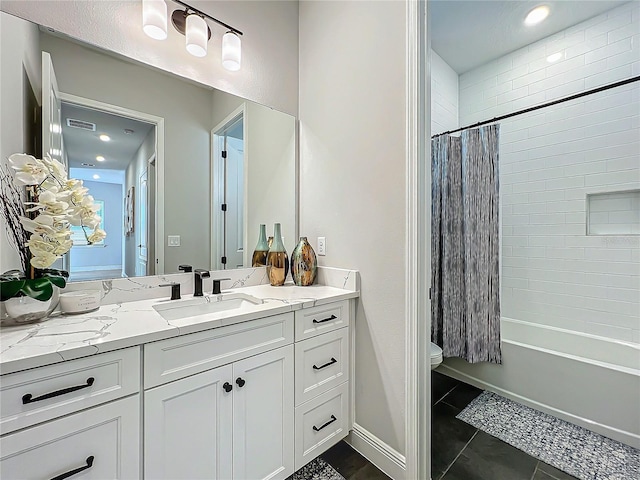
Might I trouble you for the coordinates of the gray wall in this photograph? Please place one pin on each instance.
(136, 167)
(353, 183)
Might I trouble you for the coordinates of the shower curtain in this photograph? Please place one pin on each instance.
(465, 243)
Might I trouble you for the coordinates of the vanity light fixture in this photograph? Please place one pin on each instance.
(100, 158)
(192, 23)
(104, 138)
(536, 15)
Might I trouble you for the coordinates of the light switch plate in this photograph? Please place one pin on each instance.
(173, 240)
(322, 245)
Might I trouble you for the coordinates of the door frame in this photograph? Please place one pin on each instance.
(216, 194)
(159, 186)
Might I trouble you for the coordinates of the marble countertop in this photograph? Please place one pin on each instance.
(121, 325)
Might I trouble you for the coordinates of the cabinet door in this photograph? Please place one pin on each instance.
(263, 416)
(188, 427)
(99, 443)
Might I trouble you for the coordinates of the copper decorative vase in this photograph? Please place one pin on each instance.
(304, 264)
(277, 259)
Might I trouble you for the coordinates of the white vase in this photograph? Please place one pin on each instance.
(24, 310)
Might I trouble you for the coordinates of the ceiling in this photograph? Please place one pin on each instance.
(82, 146)
(470, 33)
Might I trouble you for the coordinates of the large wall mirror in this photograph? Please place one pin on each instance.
(183, 173)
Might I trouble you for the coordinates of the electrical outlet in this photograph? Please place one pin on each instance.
(322, 245)
(173, 240)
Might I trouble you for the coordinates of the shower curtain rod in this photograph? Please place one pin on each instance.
(544, 105)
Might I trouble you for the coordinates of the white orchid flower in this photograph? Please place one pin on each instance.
(43, 261)
(29, 170)
(55, 168)
(97, 236)
(40, 224)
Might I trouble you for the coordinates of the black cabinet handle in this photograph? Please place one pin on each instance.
(332, 317)
(333, 360)
(28, 398)
(227, 387)
(77, 470)
(333, 419)
(240, 382)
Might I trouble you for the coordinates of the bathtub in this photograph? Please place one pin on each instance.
(587, 380)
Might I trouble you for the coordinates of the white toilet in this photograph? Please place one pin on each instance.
(436, 356)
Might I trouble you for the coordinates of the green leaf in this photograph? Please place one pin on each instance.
(59, 282)
(9, 289)
(38, 288)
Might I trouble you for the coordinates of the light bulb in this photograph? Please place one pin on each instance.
(154, 18)
(536, 15)
(197, 34)
(231, 51)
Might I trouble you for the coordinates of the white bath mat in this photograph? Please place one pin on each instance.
(570, 448)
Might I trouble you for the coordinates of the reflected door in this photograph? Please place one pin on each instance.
(234, 218)
(143, 235)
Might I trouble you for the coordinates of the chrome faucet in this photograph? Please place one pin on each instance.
(199, 274)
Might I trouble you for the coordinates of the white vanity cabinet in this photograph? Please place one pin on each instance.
(82, 419)
(234, 421)
(257, 399)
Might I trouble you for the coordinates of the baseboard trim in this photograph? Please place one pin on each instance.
(387, 459)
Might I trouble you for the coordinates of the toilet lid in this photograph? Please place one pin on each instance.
(436, 352)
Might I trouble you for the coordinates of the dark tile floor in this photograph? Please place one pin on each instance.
(351, 465)
(462, 452)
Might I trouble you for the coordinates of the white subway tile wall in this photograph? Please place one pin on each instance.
(553, 273)
(614, 214)
(444, 96)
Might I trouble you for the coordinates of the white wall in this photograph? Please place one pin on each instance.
(352, 183)
(20, 91)
(444, 96)
(269, 73)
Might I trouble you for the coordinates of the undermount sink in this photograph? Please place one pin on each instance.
(196, 306)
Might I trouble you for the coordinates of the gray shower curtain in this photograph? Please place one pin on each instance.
(465, 245)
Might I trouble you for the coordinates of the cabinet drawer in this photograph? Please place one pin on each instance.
(322, 363)
(175, 358)
(316, 320)
(55, 390)
(109, 433)
(321, 423)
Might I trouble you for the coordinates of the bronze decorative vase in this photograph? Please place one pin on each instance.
(277, 259)
(304, 264)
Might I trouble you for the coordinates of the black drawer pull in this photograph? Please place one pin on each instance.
(332, 317)
(77, 470)
(28, 398)
(240, 382)
(333, 360)
(333, 419)
(227, 387)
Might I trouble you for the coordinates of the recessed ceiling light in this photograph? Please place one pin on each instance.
(536, 15)
(105, 138)
(128, 131)
(554, 57)
(100, 158)
(96, 176)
